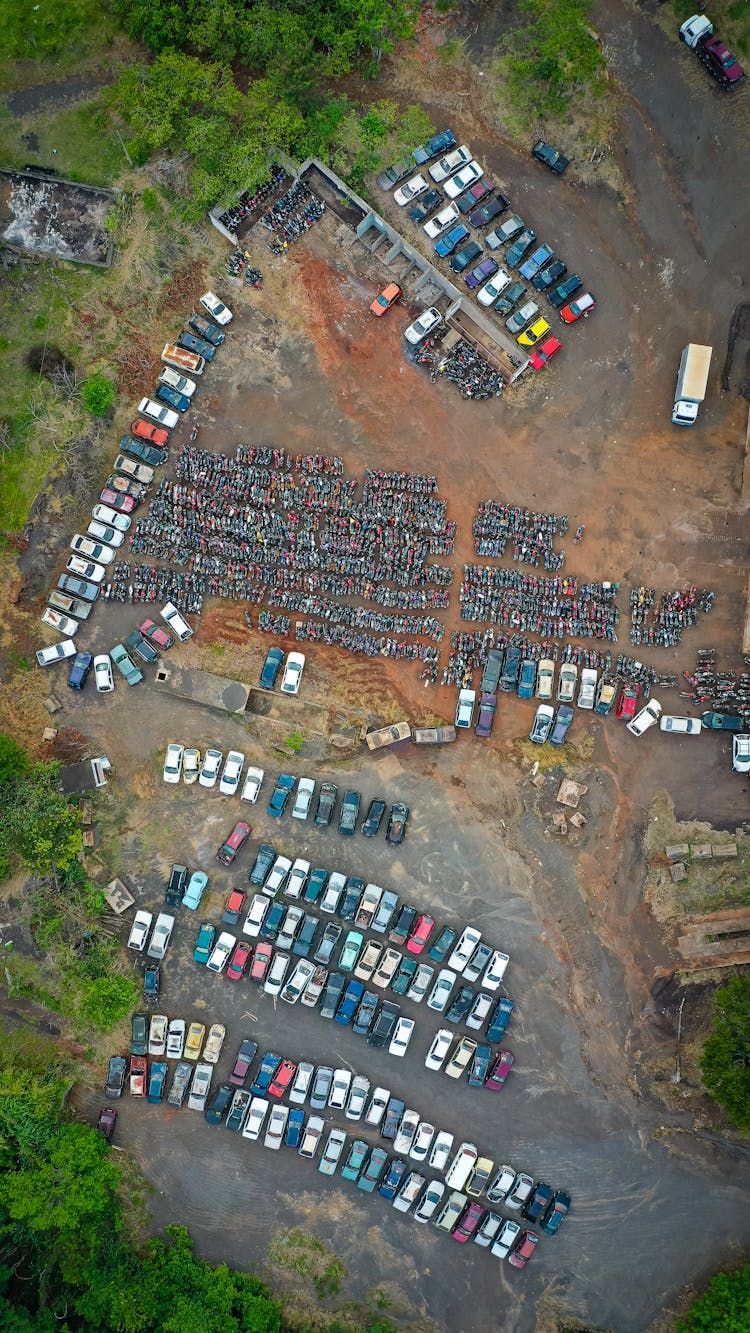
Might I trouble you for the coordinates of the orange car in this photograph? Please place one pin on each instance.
(385, 299)
(145, 431)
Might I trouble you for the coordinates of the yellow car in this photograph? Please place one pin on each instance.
(196, 1033)
(534, 333)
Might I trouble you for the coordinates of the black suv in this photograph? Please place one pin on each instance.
(326, 802)
(349, 812)
(511, 669)
(382, 1028)
(551, 157)
(392, 1118)
(374, 818)
(466, 256)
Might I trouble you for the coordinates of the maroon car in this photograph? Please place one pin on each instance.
(468, 1223)
(124, 504)
(156, 634)
(527, 1243)
(237, 839)
(475, 195)
(238, 961)
(499, 1071)
(245, 1056)
(107, 1121)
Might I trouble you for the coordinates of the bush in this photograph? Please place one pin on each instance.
(98, 394)
(105, 1002)
(723, 1308)
(725, 1066)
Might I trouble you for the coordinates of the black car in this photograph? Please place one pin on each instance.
(382, 1029)
(214, 1112)
(443, 943)
(151, 983)
(510, 298)
(80, 670)
(272, 921)
(326, 803)
(116, 1074)
(397, 821)
(479, 1065)
(403, 924)
(197, 345)
(332, 995)
(138, 1034)
(142, 452)
(492, 209)
(353, 892)
(564, 292)
(176, 886)
(550, 275)
(392, 1118)
(539, 1202)
(365, 1013)
(373, 819)
(492, 670)
(461, 1005)
(271, 667)
(211, 332)
(470, 252)
(551, 157)
(518, 249)
(426, 205)
(349, 812)
(141, 647)
(264, 859)
(511, 669)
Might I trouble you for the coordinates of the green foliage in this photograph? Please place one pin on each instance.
(723, 1308)
(725, 1067)
(98, 394)
(550, 57)
(150, 201)
(105, 1001)
(37, 824)
(34, 31)
(14, 761)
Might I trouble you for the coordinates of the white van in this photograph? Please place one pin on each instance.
(461, 1167)
(176, 621)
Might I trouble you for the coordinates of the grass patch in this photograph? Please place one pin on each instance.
(308, 1257)
(79, 141)
(711, 886)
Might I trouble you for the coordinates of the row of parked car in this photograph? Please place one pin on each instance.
(140, 646)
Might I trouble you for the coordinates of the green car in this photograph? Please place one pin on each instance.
(357, 1155)
(403, 978)
(350, 952)
(204, 943)
(373, 1171)
(125, 665)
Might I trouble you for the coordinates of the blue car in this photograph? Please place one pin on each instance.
(526, 679)
(499, 1019)
(171, 396)
(365, 1013)
(195, 889)
(451, 241)
(532, 265)
(349, 1001)
(315, 885)
(282, 791)
(294, 1124)
(556, 1213)
(263, 862)
(268, 1066)
(214, 1112)
(271, 922)
(392, 1181)
(479, 1065)
(271, 668)
(373, 1171)
(204, 943)
(80, 670)
(438, 144)
(156, 1080)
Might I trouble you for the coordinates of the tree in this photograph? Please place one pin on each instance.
(723, 1308)
(14, 761)
(37, 823)
(550, 56)
(725, 1067)
(105, 1001)
(98, 394)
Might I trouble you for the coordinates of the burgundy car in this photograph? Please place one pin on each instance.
(468, 1223)
(156, 634)
(247, 1053)
(500, 1071)
(475, 195)
(527, 1243)
(237, 838)
(124, 504)
(107, 1122)
(481, 273)
(239, 960)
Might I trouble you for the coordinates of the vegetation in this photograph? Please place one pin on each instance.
(550, 58)
(45, 29)
(723, 1308)
(725, 1067)
(98, 394)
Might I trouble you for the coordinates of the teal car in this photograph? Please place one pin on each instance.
(357, 1155)
(350, 952)
(125, 665)
(156, 1081)
(204, 943)
(373, 1171)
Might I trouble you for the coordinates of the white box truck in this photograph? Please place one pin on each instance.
(692, 379)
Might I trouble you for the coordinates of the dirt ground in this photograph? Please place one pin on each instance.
(588, 1105)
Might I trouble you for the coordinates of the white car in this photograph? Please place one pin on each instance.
(489, 294)
(495, 970)
(408, 1126)
(103, 514)
(408, 1192)
(441, 1150)
(467, 176)
(161, 936)
(85, 569)
(357, 1097)
(57, 652)
(407, 193)
(464, 949)
(545, 678)
(293, 668)
(501, 1184)
(422, 1141)
(681, 726)
(103, 532)
(176, 1039)
(172, 770)
(566, 683)
(297, 878)
(177, 623)
(386, 968)
(441, 222)
(216, 308)
(502, 1245)
(253, 783)
(157, 1034)
(479, 1011)
(139, 930)
(221, 951)
(421, 983)
(255, 1117)
(174, 380)
(430, 1199)
(256, 916)
(301, 1083)
(441, 1044)
(523, 1186)
(369, 961)
(230, 778)
(376, 1110)
(103, 673)
(210, 768)
(741, 753)
(293, 918)
(402, 1035)
(56, 620)
(212, 1049)
(333, 891)
(424, 324)
(440, 993)
(276, 973)
(274, 1134)
(191, 764)
(647, 717)
(94, 550)
(440, 171)
(342, 1079)
(159, 412)
(298, 980)
(465, 707)
(305, 789)
(199, 1087)
(276, 876)
(587, 690)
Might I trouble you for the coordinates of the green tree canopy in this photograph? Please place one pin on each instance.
(36, 822)
(98, 394)
(725, 1067)
(723, 1308)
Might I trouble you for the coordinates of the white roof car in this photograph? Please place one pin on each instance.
(522, 1187)
(424, 324)
(681, 726)
(407, 193)
(212, 1049)
(255, 917)
(587, 688)
(230, 778)
(199, 1087)
(465, 707)
(408, 1126)
(161, 936)
(441, 170)
(159, 412)
(298, 980)
(501, 1184)
(464, 949)
(297, 878)
(357, 1098)
(311, 1139)
(488, 294)
(399, 1044)
(369, 961)
(105, 533)
(157, 1034)
(647, 717)
(441, 1150)
(495, 970)
(256, 1115)
(741, 753)
(566, 682)
(56, 620)
(293, 668)
(274, 1134)
(103, 673)
(276, 973)
(465, 1048)
(176, 622)
(421, 983)
(276, 876)
(441, 1042)
(176, 1039)
(252, 785)
(376, 1109)
(545, 678)
(191, 763)
(333, 891)
(422, 1141)
(462, 1166)
(173, 762)
(408, 1192)
(463, 179)
(479, 1011)
(174, 380)
(210, 768)
(430, 1199)
(501, 1246)
(139, 930)
(111, 516)
(342, 1079)
(301, 1083)
(216, 308)
(56, 652)
(221, 951)
(305, 789)
(94, 550)
(386, 968)
(438, 996)
(442, 221)
(85, 569)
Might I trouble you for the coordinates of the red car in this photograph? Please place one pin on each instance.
(628, 701)
(282, 1078)
(385, 299)
(468, 1224)
(157, 635)
(124, 504)
(527, 1243)
(237, 839)
(238, 962)
(420, 933)
(544, 353)
(138, 1072)
(145, 431)
(581, 308)
(263, 956)
(500, 1070)
(245, 1056)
